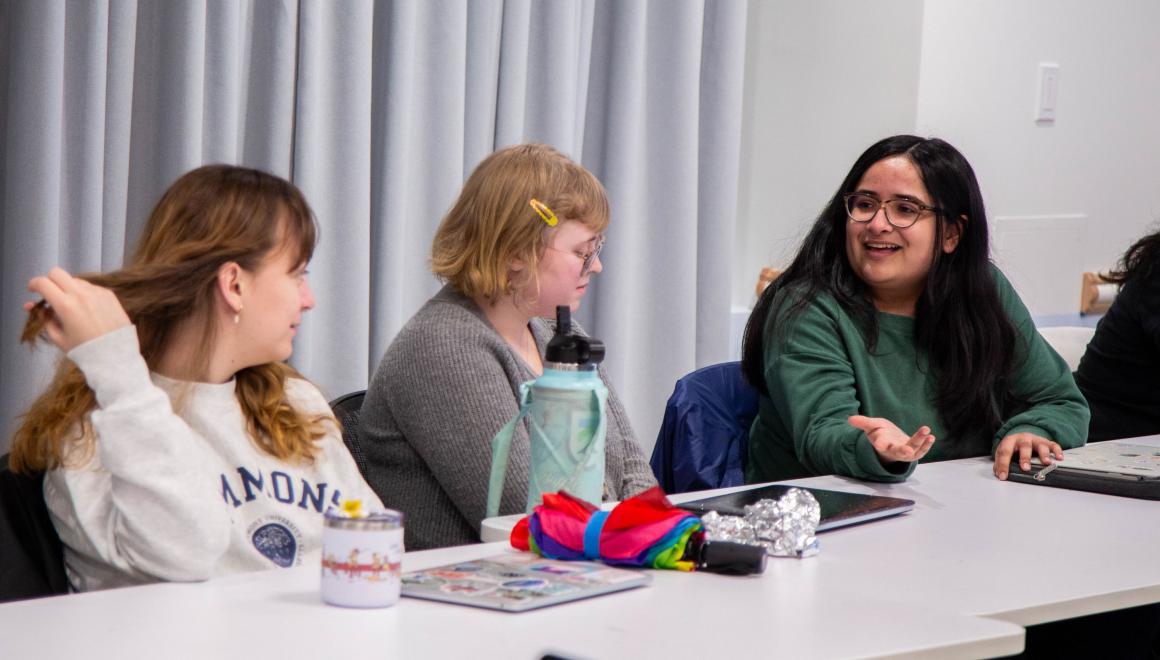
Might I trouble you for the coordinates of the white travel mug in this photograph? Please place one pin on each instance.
(362, 559)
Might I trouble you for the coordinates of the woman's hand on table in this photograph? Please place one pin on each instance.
(1025, 445)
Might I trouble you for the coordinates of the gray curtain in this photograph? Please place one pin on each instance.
(378, 111)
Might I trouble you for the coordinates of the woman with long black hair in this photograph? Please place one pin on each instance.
(1120, 370)
(892, 328)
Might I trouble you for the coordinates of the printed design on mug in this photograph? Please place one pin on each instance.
(362, 565)
(277, 539)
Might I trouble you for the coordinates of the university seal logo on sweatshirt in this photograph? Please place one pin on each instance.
(277, 539)
(275, 536)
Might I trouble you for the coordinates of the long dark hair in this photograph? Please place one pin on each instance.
(960, 324)
(1139, 261)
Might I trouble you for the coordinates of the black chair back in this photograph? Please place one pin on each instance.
(31, 554)
(347, 408)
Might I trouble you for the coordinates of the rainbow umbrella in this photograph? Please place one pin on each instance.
(645, 530)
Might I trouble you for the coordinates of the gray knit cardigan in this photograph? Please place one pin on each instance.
(446, 385)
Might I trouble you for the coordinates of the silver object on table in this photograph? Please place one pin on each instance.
(786, 527)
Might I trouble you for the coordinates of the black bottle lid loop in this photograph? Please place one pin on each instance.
(566, 348)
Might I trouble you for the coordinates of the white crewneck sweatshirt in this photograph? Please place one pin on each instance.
(186, 496)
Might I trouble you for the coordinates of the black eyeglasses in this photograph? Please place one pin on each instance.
(900, 213)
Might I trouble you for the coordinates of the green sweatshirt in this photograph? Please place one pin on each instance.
(819, 372)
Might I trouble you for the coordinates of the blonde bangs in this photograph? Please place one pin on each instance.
(492, 222)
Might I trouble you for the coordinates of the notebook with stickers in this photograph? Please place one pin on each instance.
(516, 582)
(1113, 468)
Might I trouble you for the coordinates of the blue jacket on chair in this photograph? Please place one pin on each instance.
(704, 438)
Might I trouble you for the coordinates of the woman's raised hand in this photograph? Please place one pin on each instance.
(80, 311)
(890, 442)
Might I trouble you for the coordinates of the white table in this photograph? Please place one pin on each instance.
(957, 577)
(1016, 552)
(278, 614)
(979, 546)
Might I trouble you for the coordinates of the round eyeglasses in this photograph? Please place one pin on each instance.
(590, 255)
(900, 213)
(586, 257)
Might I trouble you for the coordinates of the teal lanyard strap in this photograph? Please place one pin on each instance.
(601, 396)
(501, 446)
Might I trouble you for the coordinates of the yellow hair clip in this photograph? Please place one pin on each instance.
(544, 212)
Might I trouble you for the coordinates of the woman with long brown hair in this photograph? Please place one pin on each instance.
(177, 443)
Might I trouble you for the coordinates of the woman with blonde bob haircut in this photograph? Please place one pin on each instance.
(523, 237)
(178, 444)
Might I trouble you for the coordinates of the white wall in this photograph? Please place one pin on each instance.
(1062, 198)
(824, 80)
(1066, 197)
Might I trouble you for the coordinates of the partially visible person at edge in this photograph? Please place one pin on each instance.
(450, 379)
(892, 339)
(178, 445)
(1119, 373)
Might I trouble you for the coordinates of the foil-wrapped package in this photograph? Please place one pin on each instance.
(786, 527)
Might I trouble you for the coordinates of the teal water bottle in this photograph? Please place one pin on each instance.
(565, 408)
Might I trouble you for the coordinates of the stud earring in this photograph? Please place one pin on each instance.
(238, 315)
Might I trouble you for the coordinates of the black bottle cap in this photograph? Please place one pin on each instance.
(567, 348)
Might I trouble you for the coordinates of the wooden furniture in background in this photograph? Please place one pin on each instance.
(764, 279)
(1096, 294)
